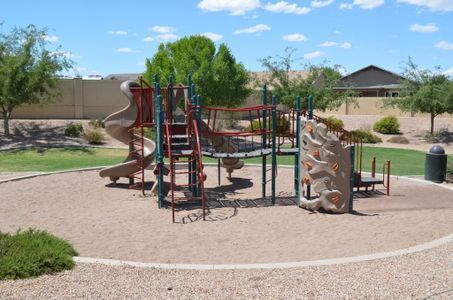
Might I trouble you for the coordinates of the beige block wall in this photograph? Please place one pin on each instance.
(80, 99)
(86, 99)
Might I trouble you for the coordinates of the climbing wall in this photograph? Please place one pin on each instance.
(325, 169)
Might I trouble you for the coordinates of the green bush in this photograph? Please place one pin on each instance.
(97, 123)
(282, 125)
(387, 125)
(335, 121)
(73, 130)
(367, 136)
(95, 137)
(33, 252)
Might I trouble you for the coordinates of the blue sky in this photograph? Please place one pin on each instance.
(104, 37)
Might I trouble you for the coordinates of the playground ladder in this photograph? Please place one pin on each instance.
(183, 149)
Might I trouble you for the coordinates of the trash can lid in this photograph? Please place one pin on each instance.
(437, 150)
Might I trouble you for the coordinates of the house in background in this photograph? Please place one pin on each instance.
(372, 81)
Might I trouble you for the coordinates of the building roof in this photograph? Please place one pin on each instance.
(371, 77)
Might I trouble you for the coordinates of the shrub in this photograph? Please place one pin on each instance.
(73, 130)
(366, 136)
(399, 139)
(33, 252)
(282, 125)
(97, 123)
(95, 137)
(335, 121)
(387, 125)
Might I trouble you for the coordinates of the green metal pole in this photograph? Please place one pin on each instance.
(297, 155)
(160, 154)
(170, 102)
(351, 181)
(274, 152)
(264, 142)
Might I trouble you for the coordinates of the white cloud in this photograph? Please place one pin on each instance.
(337, 32)
(437, 5)
(148, 39)
(346, 6)
(118, 32)
(167, 37)
(163, 29)
(368, 4)
(313, 55)
(295, 37)
(321, 3)
(51, 38)
(213, 36)
(363, 4)
(329, 44)
(345, 45)
(254, 29)
(126, 50)
(234, 7)
(428, 28)
(444, 45)
(448, 72)
(287, 8)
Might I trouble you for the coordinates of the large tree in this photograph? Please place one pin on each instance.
(219, 79)
(319, 82)
(28, 72)
(424, 91)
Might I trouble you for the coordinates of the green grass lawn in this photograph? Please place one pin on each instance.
(55, 159)
(403, 162)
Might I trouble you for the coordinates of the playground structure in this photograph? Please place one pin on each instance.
(327, 159)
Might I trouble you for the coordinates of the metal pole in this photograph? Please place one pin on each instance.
(170, 102)
(264, 144)
(218, 172)
(351, 180)
(199, 132)
(274, 153)
(297, 156)
(160, 156)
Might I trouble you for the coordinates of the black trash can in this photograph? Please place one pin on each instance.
(436, 164)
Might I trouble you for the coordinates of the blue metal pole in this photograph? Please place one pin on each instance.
(274, 152)
(264, 142)
(297, 156)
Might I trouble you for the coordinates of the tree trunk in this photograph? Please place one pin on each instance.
(432, 123)
(6, 116)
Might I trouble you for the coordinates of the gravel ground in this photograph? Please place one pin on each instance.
(423, 275)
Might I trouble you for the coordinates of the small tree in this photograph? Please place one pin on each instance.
(219, 79)
(319, 83)
(28, 72)
(424, 91)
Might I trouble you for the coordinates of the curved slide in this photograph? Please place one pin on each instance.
(117, 126)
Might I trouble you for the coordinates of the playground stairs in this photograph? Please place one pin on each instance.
(137, 156)
(182, 147)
